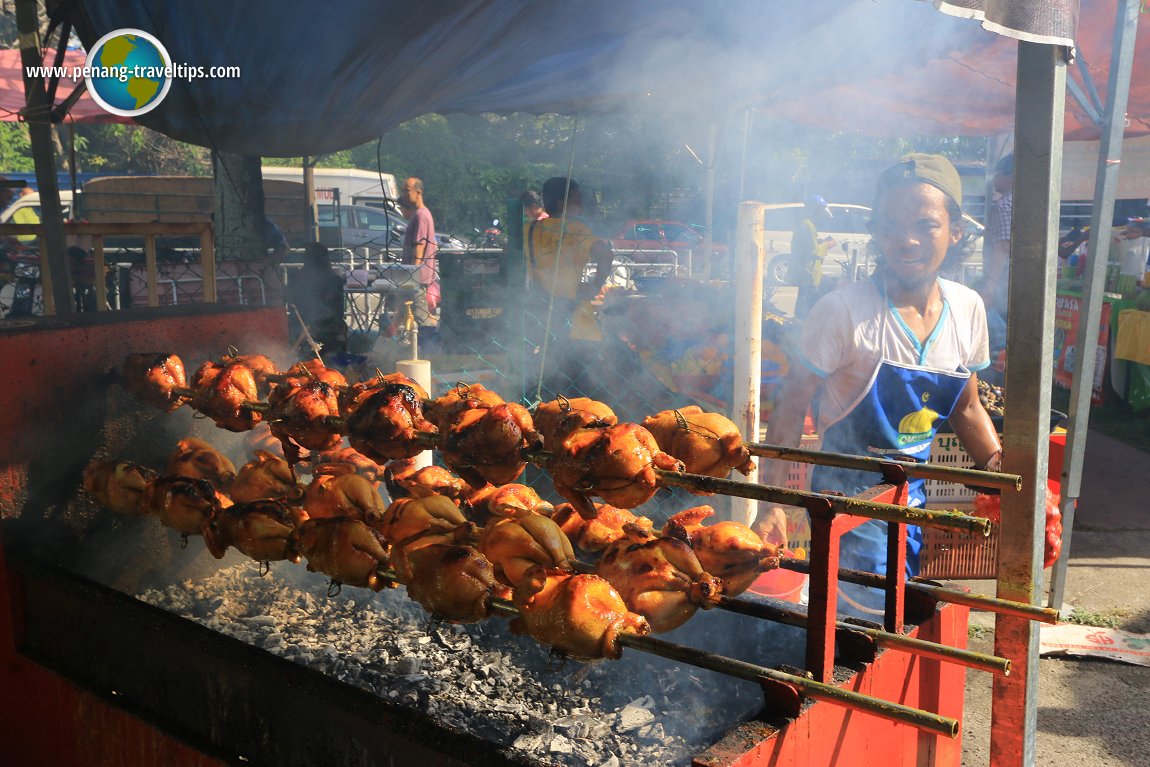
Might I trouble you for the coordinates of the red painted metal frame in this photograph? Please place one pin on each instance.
(827, 528)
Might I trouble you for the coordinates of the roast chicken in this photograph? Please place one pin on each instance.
(364, 466)
(596, 534)
(385, 425)
(353, 394)
(616, 463)
(225, 392)
(729, 550)
(558, 419)
(262, 368)
(156, 378)
(409, 517)
(484, 444)
(343, 548)
(118, 485)
(513, 546)
(506, 501)
(340, 492)
(466, 534)
(403, 479)
(199, 460)
(580, 615)
(706, 443)
(267, 476)
(445, 410)
(454, 583)
(184, 504)
(313, 370)
(259, 529)
(306, 414)
(658, 578)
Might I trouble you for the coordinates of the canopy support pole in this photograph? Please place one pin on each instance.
(748, 277)
(1030, 339)
(1098, 255)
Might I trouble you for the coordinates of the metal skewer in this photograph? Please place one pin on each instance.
(968, 658)
(910, 468)
(770, 612)
(940, 593)
(924, 720)
(888, 512)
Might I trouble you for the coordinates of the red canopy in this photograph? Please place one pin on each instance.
(964, 86)
(12, 100)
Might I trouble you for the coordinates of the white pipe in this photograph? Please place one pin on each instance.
(420, 372)
(748, 351)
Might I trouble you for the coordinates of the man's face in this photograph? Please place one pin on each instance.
(410, 193)
(913, 231)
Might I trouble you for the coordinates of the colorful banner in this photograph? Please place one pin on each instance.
(1066, 335)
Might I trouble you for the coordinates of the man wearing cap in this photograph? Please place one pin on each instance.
(807, 253)
(887, 360)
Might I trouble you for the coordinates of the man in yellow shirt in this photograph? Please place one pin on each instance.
(560, 249)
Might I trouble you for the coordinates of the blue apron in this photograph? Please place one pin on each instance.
(894, 417)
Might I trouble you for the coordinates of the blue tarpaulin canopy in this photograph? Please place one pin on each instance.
(320, 78)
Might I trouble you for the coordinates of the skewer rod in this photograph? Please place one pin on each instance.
(967, 658)
(942, 594)
(912, 469)
(951, 520)
(924, 720)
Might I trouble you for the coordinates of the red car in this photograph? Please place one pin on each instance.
(663, 242)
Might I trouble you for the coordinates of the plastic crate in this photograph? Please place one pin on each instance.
(799, 478)
(952, 554)
(948, 451)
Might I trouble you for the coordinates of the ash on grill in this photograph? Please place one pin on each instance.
(477, 678)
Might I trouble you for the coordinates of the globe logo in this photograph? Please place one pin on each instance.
(128, 72)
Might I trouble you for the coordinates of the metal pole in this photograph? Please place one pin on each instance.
(748, 271)
(1101, 216)
(924, 470)
(1039, 110)
(924, 720)
(709, 269)
(888, 512)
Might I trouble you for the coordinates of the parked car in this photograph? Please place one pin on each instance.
(658, 241)
(849, 226)
(360, 226)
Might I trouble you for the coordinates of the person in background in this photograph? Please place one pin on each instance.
(419, 248)
(996, 254)
(274, 240)
(889, 358)
(533, 209)
(316, 292)
(559, 249)
(808, 252)
(25, 215)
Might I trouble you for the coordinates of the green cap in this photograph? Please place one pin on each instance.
(933, 169)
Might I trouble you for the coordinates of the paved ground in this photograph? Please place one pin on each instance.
(1091, 713)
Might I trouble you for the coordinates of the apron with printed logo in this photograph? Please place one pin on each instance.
(895, 418)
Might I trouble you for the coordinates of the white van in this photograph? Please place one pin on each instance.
(356, 187)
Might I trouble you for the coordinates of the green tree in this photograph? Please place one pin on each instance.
(15, 148)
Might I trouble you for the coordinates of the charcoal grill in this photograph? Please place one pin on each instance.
(209, 698)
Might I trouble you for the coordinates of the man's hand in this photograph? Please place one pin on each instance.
(771, 525)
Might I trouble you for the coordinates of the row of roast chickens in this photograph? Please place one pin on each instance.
(430, 538)
(481, 437)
